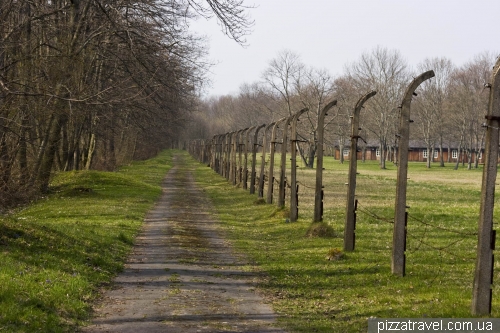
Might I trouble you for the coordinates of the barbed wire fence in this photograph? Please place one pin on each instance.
(200, 149)
(421, 238)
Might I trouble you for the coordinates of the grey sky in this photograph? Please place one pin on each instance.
(332, 33)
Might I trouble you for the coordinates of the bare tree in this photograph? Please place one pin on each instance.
(96, 83)
(468, 103)
(232, 16)
(347, 95)
(431, 107)
(314, 89)
(281, 76)
(295, 87)
(386, 72)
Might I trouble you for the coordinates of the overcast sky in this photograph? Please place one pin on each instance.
(331, 34)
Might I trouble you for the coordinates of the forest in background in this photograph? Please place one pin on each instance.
(95, 84)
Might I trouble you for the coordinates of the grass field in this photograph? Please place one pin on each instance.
(317, 295)
(56, 253)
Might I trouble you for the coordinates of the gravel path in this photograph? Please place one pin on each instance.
(182, 276)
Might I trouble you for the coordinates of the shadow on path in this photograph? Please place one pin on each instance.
(182, 276)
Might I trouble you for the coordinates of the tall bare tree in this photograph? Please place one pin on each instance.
(468, 102)
(314, 89)
(347, 95)
(281, 76)
(295, 87)
(386, 72)
(431, 108)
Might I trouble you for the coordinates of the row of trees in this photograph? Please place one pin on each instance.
(93, 84)
(448, 112)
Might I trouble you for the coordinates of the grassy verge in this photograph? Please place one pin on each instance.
(313, 294)
(56, 253)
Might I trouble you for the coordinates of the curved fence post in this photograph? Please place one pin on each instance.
(350, 217)
(223, 155)
(294, 200)
(400, 215)
(282, 185)
(263, 161)
(213, 150)
(245, 163)
(483, 277)
(227, 153)
(318, 194)
(232, 163)
(220, 140)
(254, 158)
(240, 150)
(270, 187)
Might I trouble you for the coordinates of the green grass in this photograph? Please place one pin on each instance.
(59, 251)
(313, 294)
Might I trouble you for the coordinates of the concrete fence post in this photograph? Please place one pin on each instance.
(206, 151)
(223, 155)
(220, 140)
(227, 159)
(282, 189)
(213, 151)
(318, 197)
(270, 174)
(294, 200)
(263, 161)
(240, 151)
(483, 277)
(254, 158)
(232, 163)
(399, 234)
(349, 236)
(245, 158)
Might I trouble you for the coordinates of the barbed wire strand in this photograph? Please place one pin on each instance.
(373, 215)
(420, 239)
(439, 249)
(442, 228)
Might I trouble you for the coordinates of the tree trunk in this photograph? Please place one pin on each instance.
(441, 157)
(301, 154)
(459, 153)
(90, 152)
(469, 159)
(41, 151)
(23, 157)
(50, 151)
(382, 156)
(111, 165)
(76, 157)
(312, 155)
(428, 161)
(341, 148)
(5, 165)
(66, 162)
(476, 160)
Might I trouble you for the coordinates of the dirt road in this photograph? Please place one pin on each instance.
(182, 276)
